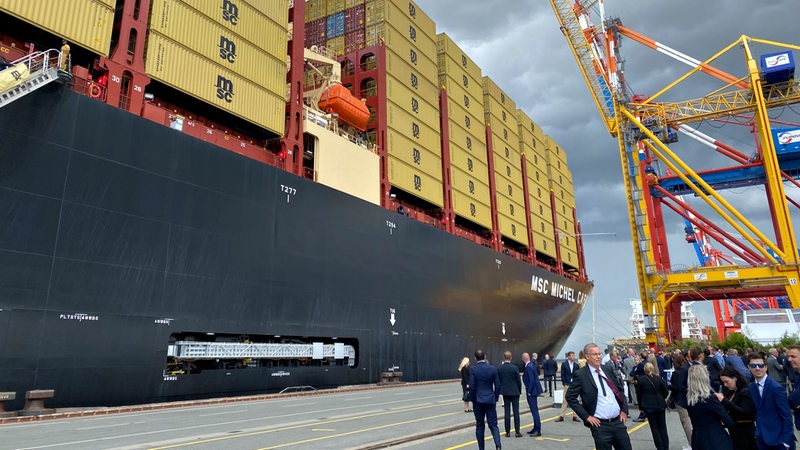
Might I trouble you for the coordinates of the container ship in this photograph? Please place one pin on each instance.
(207, 198)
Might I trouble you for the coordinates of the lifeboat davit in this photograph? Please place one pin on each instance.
(337, 99)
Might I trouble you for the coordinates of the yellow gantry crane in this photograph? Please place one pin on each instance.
(645, 126)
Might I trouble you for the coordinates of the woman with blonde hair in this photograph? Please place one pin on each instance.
(651, 390)
(709, 419)
(463, 368)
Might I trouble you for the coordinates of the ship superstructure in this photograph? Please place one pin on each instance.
(690, 324)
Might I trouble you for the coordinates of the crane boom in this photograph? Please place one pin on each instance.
(581, 35)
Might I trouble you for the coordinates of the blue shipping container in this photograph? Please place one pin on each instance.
(335, 26)
(777, 67)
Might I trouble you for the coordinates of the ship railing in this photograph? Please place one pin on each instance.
(40, 61)
(330, 123)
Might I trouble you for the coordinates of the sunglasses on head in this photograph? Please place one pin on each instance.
(757, 366)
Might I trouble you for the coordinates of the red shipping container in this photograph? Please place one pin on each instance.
(315, 31)
(354, 19)
(354, 41)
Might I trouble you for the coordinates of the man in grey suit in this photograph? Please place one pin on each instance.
(510, 389)
(775, 369)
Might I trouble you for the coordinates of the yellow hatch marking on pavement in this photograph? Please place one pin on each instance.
(551, 439)
(357, 431)
(294, 427)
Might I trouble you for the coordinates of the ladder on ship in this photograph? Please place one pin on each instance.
(31, 72)
(191, 350)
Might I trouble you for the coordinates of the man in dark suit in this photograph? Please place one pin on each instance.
(596, 396)
(484, 388)
(530, 378)
(773, 416)
(549, 369)
(568, 368)
(510, 389)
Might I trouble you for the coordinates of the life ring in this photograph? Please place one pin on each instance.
(95, 91)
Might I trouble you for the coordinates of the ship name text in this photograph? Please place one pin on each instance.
(557, 290)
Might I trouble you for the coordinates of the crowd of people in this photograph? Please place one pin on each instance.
(725, 401)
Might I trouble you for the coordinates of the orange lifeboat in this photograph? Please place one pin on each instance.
(337, 99)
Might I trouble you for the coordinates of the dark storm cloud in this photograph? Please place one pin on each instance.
(519, 45)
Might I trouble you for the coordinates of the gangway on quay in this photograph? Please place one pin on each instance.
(192, 350)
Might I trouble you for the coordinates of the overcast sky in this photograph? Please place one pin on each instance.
(519, 45)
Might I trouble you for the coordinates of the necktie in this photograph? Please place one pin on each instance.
(760, 388)
(602, 384)
(614, 389)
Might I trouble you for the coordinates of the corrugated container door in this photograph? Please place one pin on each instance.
(88, 23)
(266, 33)
(172, 63)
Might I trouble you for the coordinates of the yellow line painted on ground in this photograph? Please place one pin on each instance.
(288, 444)
(490, 435)
(294, 427)
(552, 439)
(323, 429)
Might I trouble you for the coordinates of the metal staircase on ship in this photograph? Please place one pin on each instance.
(32, 72)
(191, 350)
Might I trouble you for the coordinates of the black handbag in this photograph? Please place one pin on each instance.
(465, 397)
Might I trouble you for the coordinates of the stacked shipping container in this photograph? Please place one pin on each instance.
(90, 28)
(233, 57)
(469, 169)
(560, 180)
(414, 56)
(532, 145)
(500, 113)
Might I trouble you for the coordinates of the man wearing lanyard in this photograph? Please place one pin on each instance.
(596, 397)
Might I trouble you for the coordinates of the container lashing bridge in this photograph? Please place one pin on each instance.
(646, 128)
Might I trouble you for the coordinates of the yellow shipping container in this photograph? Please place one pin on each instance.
(512, 228)
(423, 109)
(554, 151)
(470, 185)
(503, 123)
(266, 33)
(87, 23)
(206, 37)
(544, 244)
(353, 3)
(509, 189)
(423, 134)
(538, 177)
(315, 9)
(446, 46)
(423, 63)
(335, 6)
(336, 45)
(409, 76)
(376, 11)
(414, 181)
(459, 97)
(170, 62)
(470, 165)
(407, 27)
(458, 78)
(470, 209)
(404, 149)
(540, 193)
(570, 258)
(472, 145)
(540, 209)
(491, 89)
(274, 9)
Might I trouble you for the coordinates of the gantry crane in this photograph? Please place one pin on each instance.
(644, 126)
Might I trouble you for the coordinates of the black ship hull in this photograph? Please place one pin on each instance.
(118, 234)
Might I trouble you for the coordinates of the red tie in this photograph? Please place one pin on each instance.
(614, 389)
